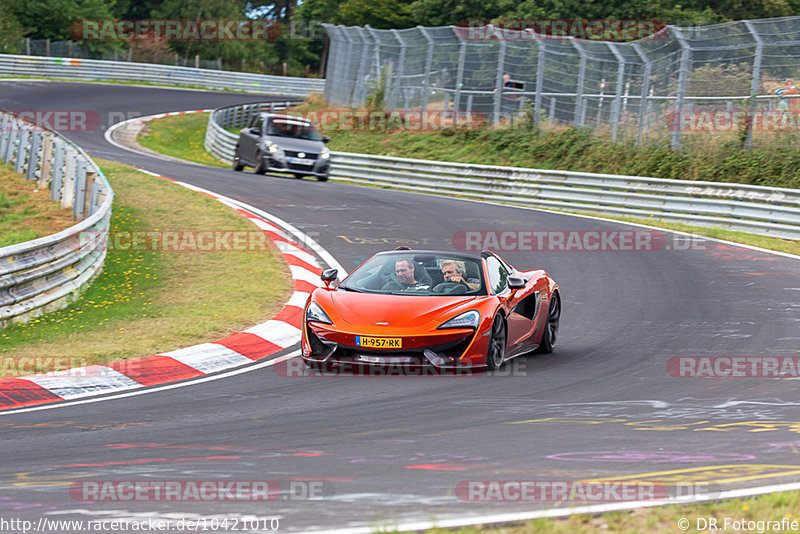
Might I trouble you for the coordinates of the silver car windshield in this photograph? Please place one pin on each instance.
(295, 129)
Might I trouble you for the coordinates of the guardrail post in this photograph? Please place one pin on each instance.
(616, 112)
(577, 118)
(13, 134)
(683, 79)
(68, 187)
(58, 171)
(5, 134)
(643, 102)
(498, 83)
(88, 191)
(537, 101)
(428, 65)
(80, 191)
(33, 155)
(22, 147)
(748, 143)
(47, 154)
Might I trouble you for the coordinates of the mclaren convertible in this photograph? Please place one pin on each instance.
(419, 308)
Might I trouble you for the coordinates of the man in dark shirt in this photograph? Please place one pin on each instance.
(404, 271)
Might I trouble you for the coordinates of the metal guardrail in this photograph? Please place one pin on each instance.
(95, 69)
(48, 273)
(755, 209)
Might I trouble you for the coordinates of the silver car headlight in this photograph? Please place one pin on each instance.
(326, 153)
(275, 150)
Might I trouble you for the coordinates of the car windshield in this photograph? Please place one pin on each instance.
(296, 129)
(434, 274)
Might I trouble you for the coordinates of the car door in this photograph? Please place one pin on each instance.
(521, 309)
(249, 140)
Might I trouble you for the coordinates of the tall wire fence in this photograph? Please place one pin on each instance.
(733, 81)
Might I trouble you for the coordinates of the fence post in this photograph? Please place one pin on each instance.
(537, 101)
(616, 112)
(498, 86)
(428, 64)
(577, 119)
(748, 143)
(360, 89)
(348, 55)
(398, 79)
(683, 79)
(645, 91)
(462, 53)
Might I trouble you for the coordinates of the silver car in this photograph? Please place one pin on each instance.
(283, 143)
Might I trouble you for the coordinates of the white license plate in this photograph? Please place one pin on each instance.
(301, 161)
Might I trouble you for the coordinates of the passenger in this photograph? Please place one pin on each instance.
(404, 271)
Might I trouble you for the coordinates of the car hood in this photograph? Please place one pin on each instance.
(398, 310)
(298, 145)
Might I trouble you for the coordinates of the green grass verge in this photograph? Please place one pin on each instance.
(149, 301)
(179, 136)
(25, 211)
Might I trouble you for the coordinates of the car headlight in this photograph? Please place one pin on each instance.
(315, 313)
(468, 319)
(275, 149)
(326, 153)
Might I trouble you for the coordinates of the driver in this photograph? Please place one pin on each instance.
(454, 271)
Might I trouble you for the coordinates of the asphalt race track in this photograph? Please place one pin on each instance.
(378, 450)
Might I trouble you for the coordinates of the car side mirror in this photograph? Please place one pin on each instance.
(515, 283)
(328, 276)
(255, 130)
(325, 138)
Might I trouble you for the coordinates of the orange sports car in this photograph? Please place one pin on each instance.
(414, 308)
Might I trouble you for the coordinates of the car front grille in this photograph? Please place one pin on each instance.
(294, 154)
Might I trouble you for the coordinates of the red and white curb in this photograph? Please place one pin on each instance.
(238, 349)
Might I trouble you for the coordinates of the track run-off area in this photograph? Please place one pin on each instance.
(357, 453)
